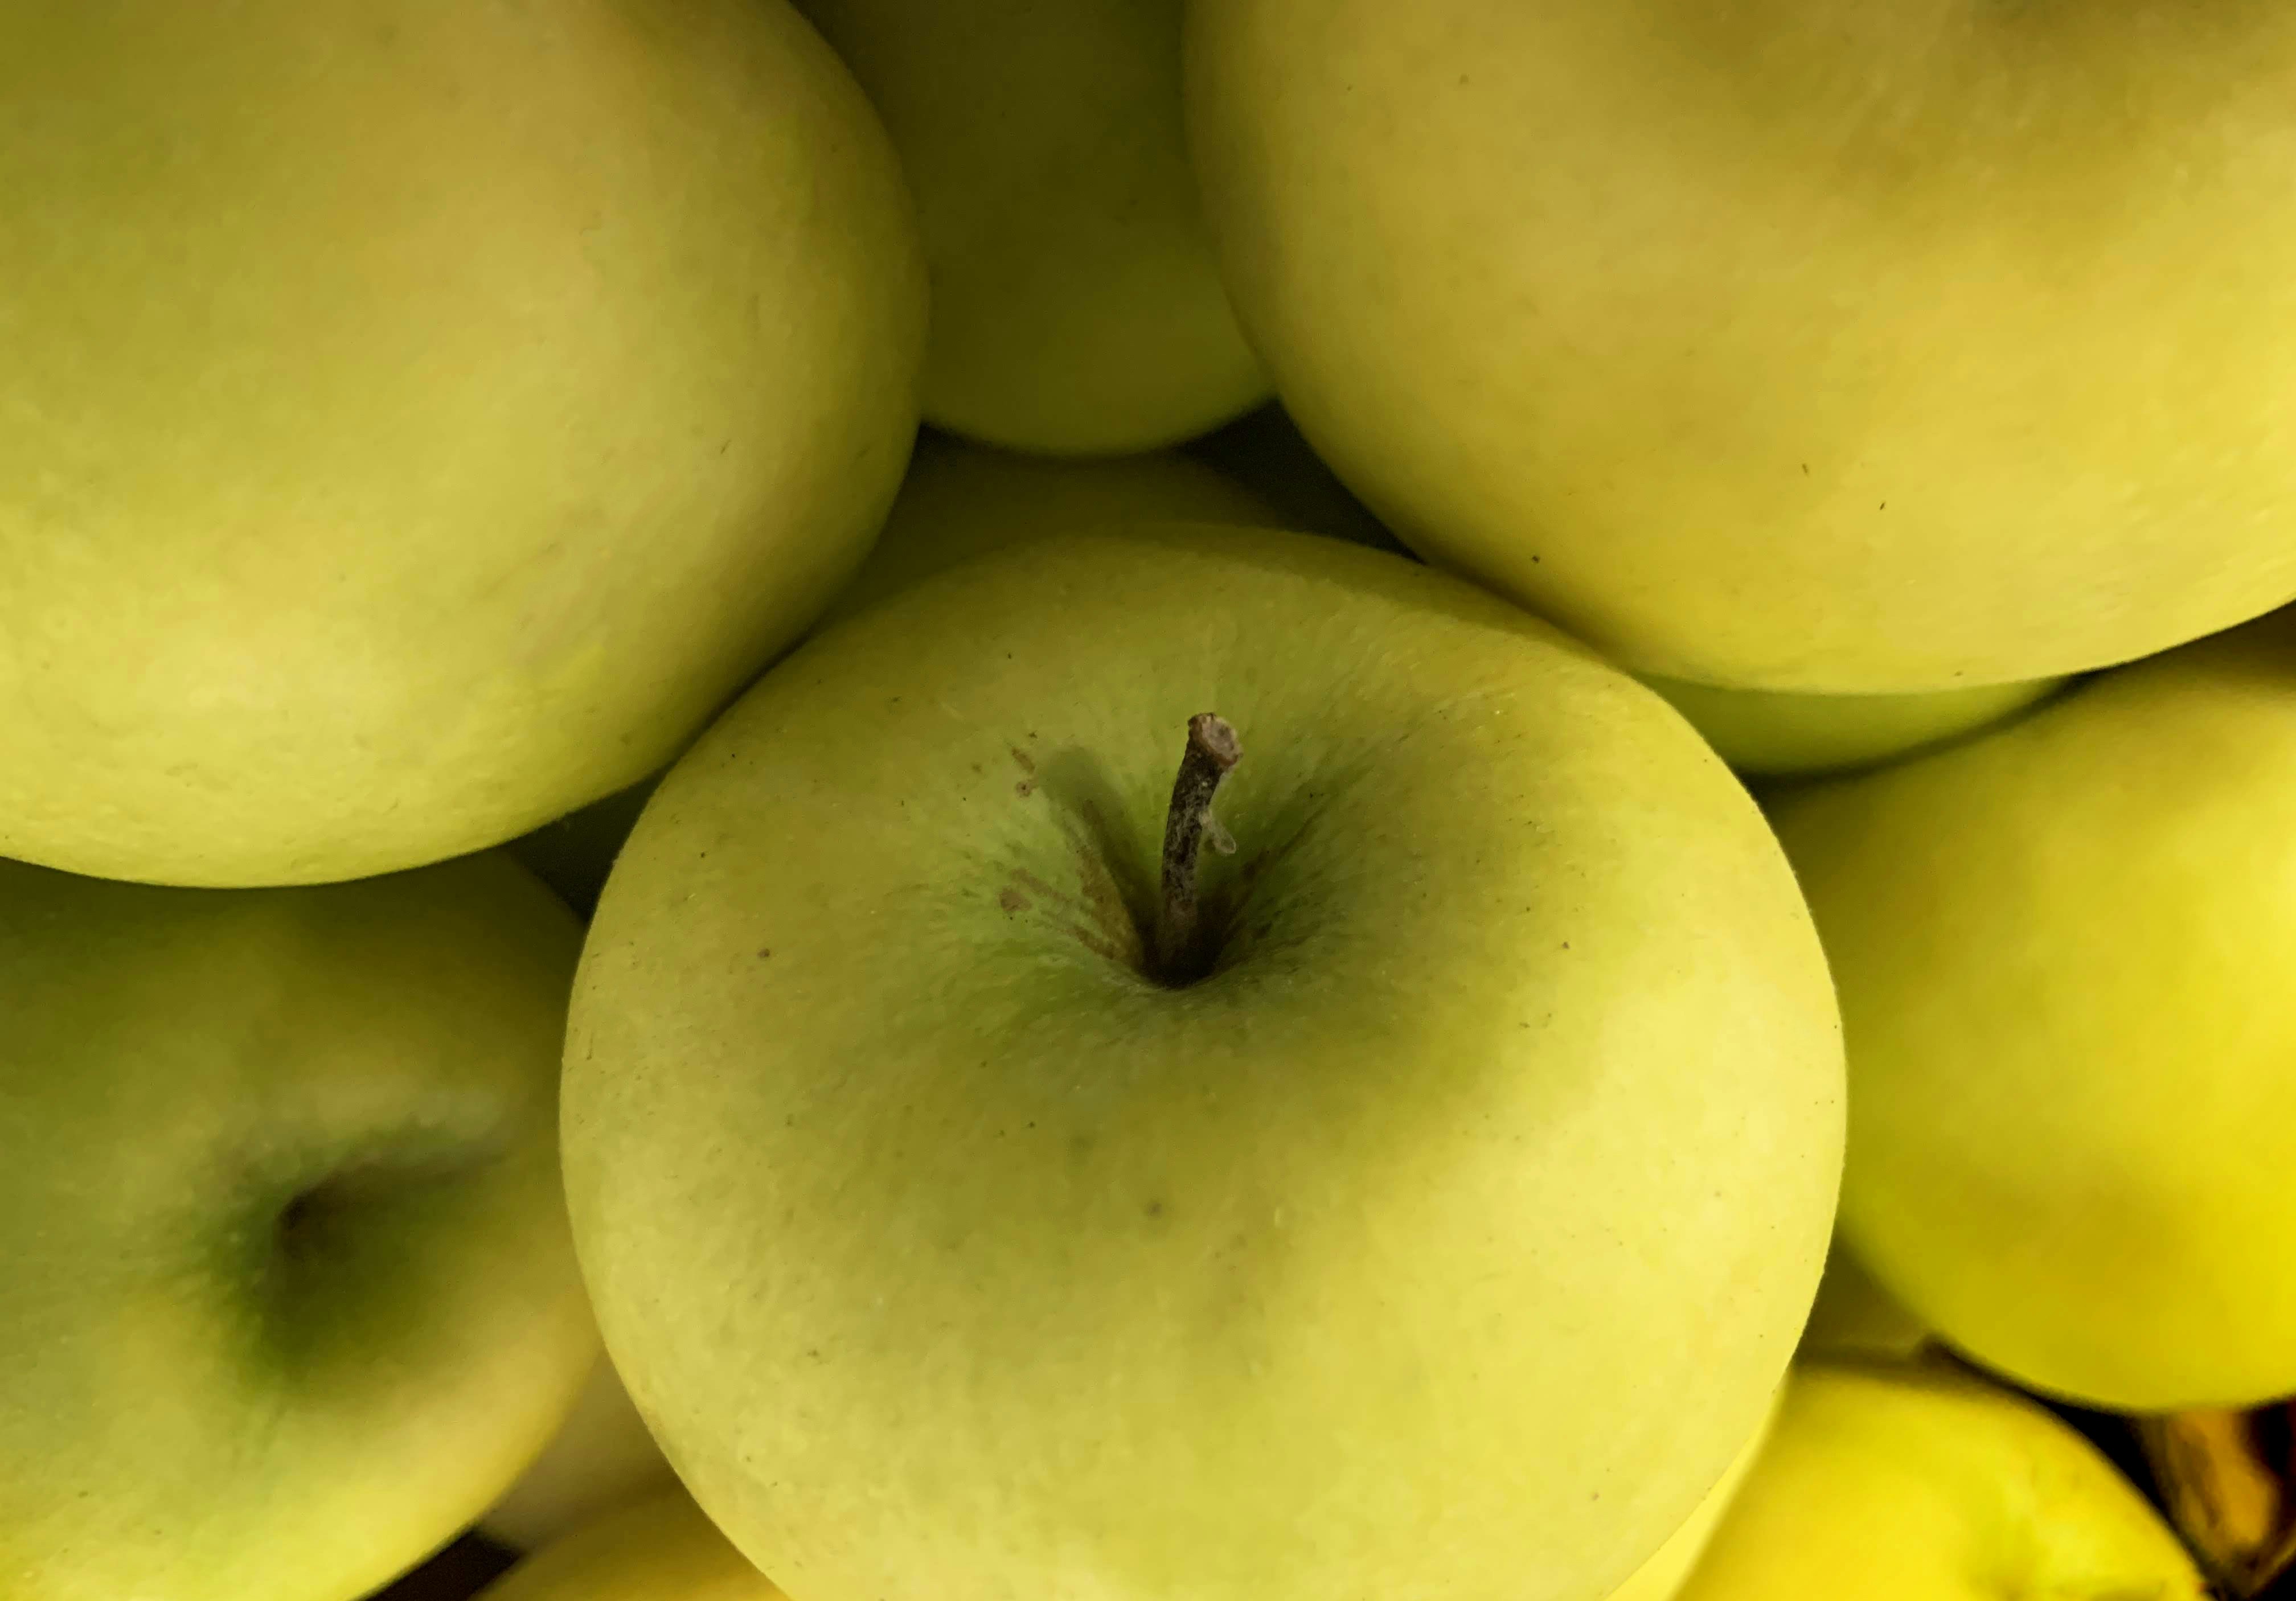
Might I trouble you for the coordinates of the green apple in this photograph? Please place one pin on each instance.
(418, 419)
(601, 1459)
(1265, 452)
(660, 1548)
(289, 1295)
(1662, 1575)
(1853, 1316)
(2063, 952)
(1899, 347)
(1782, 734)
(1077, 307)
(976, 1208)
(961, 500)
(1930, 1484)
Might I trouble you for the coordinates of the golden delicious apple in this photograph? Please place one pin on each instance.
(1076, 307)
(601, 1459)
(2064, 954)
(1927, 1485)
(289, 1295)
(1855, 1317)
(660, 1548)
(1778, 733)
(1794, 344)
(1422, 1199)
(961, 500)
(1661, 1576)
(417, 420)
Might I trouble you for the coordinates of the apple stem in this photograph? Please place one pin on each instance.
(1213, 753)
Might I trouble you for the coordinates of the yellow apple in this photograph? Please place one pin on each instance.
(288, 1294)
(1433, 1213)
(1076, 307)
(2063, 951)
(1792, 345)
(417, 420)
(660, 1548)
(602, 1458)
(1926, 1484)
(1778, 733)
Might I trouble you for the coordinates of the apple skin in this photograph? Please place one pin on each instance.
(602, 1458)
(421, 418)
(217, 1393)
(1926, 1484)
(1775, 346)
(1781, 734)
(1662, 1575)
(1486, 1183)
(2063, 950)
(659, 1548)
(961, 499)
(1078, 309)
(1855, 1317)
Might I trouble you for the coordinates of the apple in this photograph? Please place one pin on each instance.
(419, 418)
(1926, 1484)
(1853, 1316)
(1266, 453)
(986, 1189)
(1077, 307)
(1908, 348)
(660, 1548)
(602, 1458)
(961, 500)
(2063, 952)
(1782, 734)
(289, 1295)
(1662, 1575)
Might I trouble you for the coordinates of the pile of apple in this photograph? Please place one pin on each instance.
(1544, 850)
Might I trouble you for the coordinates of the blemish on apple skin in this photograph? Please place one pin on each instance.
(1027, 763)
(1025, 788)
(1013, 900)
(764, 952)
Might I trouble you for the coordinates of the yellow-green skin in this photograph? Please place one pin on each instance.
(1448, 1240)
(2063, 952)
(601, 1459)
(1662, 1576)
(1855, 1317)
(1871, 348)
(960, 500)
(215, 1394)
(1927, 1485)
(1782, 734)
(660, 1548)
(957, 501)
(1077, 307)
(419, 417)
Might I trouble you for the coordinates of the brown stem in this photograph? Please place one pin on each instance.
(1213, 753)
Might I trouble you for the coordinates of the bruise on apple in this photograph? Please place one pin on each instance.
(2229, 1480)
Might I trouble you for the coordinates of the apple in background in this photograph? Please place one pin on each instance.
(1077, 308)
(1662, 1577)
(975, 1207)
(602, 1458)
(1855, 1317)
(422, 419)
(1895, 347)
(1781, 734)
(1925, 1483)
(961, 500)
(2063, 952)
(660, 1548)
(289, 1295)
(1265, 452)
